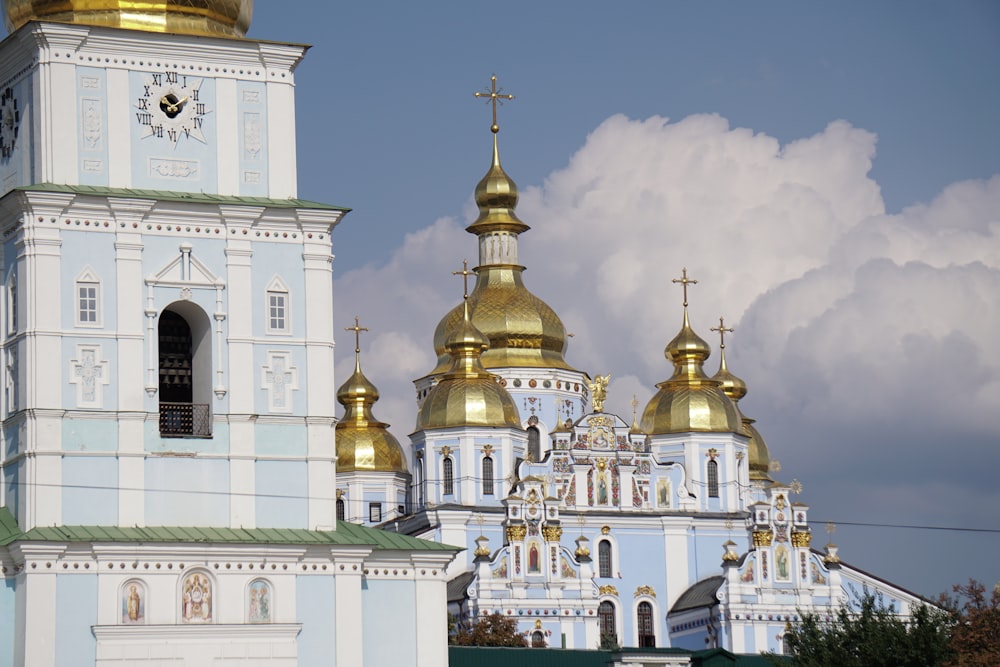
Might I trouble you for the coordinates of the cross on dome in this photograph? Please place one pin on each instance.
(722, 330)
(357, 329)
(494, 96)
(684, 282)
(465, 273)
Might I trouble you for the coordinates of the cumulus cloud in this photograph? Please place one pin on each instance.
(867, 339)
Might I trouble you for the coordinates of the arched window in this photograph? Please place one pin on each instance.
(537, 639)
(340, 509)
(449, 476)
(604, 558)
(185, 389)
(713, 479)
(606, 620)
(488, 476)
(534, 444)
(644, 621)
(420, 483)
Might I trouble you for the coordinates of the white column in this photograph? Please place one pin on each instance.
(349, 566)
(431, 593)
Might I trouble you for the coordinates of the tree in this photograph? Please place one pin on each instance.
(975, 634)
(872, 636)
(490, 630)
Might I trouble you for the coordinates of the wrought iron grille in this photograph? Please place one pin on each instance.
(185, 419)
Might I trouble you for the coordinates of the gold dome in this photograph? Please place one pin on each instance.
(523, 331)
(217, 18)
(689, 400)
(735, 388)
(363, 442)
(468, 394)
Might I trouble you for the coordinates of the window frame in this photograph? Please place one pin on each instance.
(602, 547)
(448, 476)
(278, 289)
(375, 512)
(489, 482)
(712, 478)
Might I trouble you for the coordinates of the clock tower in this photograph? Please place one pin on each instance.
(167, 456)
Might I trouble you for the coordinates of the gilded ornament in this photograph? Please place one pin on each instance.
(607, 589)
(599, 391)
(801, 538)
(582, 552)
(762, 538)
(605, 530)
(781, 503)
(481, 551)
(446, 451)
(516, 533)
(644, 590)
(552, 533)
(712, 453)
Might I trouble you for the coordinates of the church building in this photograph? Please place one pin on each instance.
(665, 530)
(167, 426)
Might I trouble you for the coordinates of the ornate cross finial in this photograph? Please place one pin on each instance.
(685, 281)
(831, 528)
(357, 329)
(465, 273)
(635, 406)
(723, 330)
(494, 96)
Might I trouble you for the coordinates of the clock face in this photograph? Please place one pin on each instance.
(169, 109)
(10, 120)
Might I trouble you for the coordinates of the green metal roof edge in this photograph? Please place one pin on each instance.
(9, 530)
(173, 195)
(346, 534)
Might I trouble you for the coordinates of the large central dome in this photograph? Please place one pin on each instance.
(523, 330)
(219, 18)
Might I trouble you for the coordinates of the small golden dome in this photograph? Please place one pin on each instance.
(689, 400)
(468, 394)
(735, 388)
(363, 442)
(496, 197)
(217, 18)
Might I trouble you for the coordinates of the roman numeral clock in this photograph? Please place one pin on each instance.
(170, 107)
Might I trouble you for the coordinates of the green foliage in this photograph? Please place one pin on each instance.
(872, 636)
(609, 642)
(491, 630)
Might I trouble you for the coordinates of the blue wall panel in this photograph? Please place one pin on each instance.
(389, 604)
(282, 490)
(76, 612)
(90, 491)
(7, 605)
(182, 491)
(315, 608)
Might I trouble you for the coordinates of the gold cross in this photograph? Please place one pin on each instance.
(465, 273)
(494, 97)
(685, 281)
(357, 329)
(722, 333)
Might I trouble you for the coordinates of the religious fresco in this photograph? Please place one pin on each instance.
(196, 598)
(259, 603)
(782, 569)
(133, 603)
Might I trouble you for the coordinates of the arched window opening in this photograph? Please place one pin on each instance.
(644, 622)
(449, 476)
(604, 558)
(488, 476)
(713, 479)
(185, 359)
(419, 483)
(537, 639)
(606, 620)
(534, 444)
(340, 509)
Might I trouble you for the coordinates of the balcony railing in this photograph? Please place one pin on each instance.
(178, 420)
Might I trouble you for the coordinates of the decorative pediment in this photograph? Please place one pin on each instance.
(186, 270)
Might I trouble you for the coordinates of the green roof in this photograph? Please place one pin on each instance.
(346, 534)
(173, 195)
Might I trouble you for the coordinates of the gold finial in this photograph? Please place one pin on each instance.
(722, 329)
(465, 273)
(831, 528)
(685, 281)
(795, 487)
(494, 96)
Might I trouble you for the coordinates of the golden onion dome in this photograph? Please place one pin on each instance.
(468, 394)
(363, 442)
(217, 18)
(523, 331)
(735, 388)
(689, 400)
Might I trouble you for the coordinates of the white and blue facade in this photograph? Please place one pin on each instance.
(167, 355)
